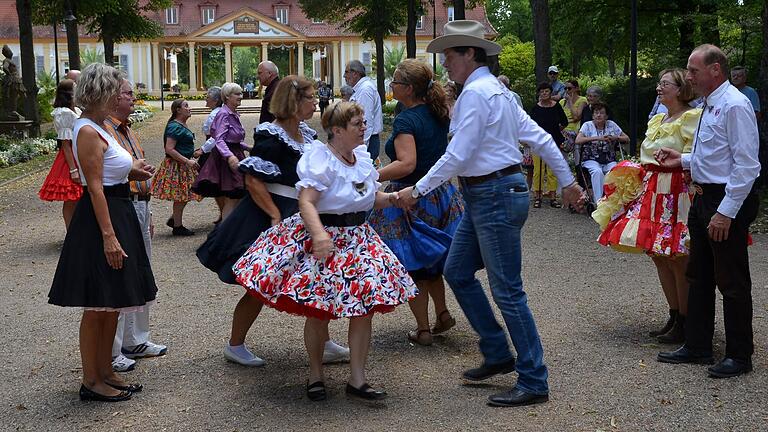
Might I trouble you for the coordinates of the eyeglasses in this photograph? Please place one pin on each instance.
(308, 97)
(359, 124)
(664, 84)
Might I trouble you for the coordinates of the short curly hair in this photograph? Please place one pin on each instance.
(339, 115)
(98, 83)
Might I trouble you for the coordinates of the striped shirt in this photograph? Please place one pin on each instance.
(129, 141)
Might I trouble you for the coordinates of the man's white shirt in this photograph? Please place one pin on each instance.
(367, 96)
(486, 127)
(725, 149)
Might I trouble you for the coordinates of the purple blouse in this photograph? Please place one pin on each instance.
(226, 128)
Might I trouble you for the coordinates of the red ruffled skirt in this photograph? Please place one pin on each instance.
(58, 186)
(360, 277)
(656, 222)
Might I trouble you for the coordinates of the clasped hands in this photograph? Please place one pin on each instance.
(141, 170)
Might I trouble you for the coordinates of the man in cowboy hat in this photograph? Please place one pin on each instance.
(484, 153)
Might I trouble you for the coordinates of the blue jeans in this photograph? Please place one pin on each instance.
(374, 146)
(489, 236)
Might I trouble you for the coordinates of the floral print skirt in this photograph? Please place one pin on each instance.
(656, 222)
(173, 182)
(361, 276)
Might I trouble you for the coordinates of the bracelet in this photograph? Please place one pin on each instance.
(73, 170)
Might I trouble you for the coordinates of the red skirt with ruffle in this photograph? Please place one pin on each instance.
(58, 186)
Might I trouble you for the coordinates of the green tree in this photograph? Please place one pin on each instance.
(88, 56)
(371, 19)
(511, 17)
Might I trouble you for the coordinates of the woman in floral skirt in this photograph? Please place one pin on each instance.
(326, 262)
(176, 174)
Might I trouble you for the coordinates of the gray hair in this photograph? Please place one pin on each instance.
(215, 93)
(356, 66)
(97, 84)
(346, 90)
(228, 89)
(595, 90)
(268, 65)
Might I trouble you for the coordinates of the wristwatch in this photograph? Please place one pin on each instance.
(415, 193)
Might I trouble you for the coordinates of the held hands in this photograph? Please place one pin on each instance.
(233, 163)
(322, 245)
(197, 153)
(193, 164)
(718, 227)
(575, 197)
(404, 199)
(114, 252)
(668, 158)
(141, 170)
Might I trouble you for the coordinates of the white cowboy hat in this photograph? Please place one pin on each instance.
(463, 33)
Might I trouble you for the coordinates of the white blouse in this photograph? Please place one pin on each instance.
(343, 188)
(64, 122)
(117, 161)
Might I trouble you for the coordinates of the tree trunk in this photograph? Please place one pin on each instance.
(686, 29)
(73, 40)
(763, 92)
(379, 41)
(410, 31)
(109, 48)
(24, 11)
(543, 49)
(458, 10)
(709, 24)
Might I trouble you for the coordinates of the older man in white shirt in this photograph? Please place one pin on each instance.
(486, 127)
(724, 165)
(366, 94)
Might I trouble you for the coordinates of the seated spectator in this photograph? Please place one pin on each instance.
(346, 92)
(594, 95)
(598, 140)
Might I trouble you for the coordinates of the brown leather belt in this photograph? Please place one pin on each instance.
(512, 169)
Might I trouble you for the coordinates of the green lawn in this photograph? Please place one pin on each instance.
(35, 164)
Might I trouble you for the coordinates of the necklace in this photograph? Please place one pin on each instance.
(350, 162)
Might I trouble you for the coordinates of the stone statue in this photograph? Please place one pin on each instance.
(12, 88)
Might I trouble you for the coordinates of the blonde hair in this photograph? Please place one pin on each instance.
(339, 115)
(288, 94)
(98, 83)
(678, 76)
(228, 89)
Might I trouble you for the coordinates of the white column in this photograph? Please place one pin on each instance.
(192, 68)
(264, 51)
(337, 67)
(156, 65)
(228, 60)
(301, 59)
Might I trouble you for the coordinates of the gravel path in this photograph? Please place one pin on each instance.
(593, 307)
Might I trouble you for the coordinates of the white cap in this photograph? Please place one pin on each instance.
(553, 69)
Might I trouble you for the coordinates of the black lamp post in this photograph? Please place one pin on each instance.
(56, 49)
(633, 81)
(434, 33)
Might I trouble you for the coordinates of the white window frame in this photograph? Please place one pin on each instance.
(208, 10)
(450, 13)
(281, 14)
(172, 15)
(420, 23)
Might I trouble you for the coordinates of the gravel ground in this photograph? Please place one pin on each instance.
(593, 307)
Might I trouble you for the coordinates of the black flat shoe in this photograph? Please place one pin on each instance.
(486, 371)
(365, 392)
(516, 397)
(169, 222)
(316, 391)
(182, 231)
(729, 368)
(87, 394)
(684, 355)
(133, 388)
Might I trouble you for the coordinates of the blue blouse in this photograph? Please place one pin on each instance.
(431, 138)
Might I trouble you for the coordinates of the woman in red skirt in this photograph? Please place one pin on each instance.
(63, 181)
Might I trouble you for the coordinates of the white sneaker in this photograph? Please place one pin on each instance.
(243, 357)
(122, 363)
(335, 353)
(147, 349)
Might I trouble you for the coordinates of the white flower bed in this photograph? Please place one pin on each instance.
(141, 113)
(22, 150)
